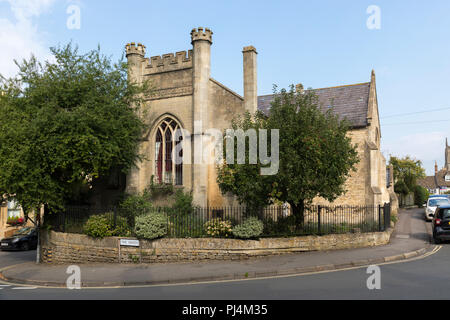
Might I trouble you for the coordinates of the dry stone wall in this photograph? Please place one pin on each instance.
(63, 248)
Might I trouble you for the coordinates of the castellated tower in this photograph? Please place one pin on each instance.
(186, 97)
(136, 57)
(201, 40)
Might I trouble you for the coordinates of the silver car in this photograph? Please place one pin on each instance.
(432, 204)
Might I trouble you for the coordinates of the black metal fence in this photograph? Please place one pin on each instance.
(201, 222)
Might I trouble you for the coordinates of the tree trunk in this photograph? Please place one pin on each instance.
(298, 210)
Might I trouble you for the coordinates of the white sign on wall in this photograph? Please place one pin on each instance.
(129, 243)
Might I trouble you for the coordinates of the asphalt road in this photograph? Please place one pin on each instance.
(426, 278)
(16, 257)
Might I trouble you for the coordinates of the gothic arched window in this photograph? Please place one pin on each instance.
(167, 170)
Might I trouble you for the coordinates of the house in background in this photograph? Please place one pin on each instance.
(440, 182)
(9, 211)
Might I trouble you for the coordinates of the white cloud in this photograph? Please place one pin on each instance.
(25, 9)
(427, 147)
(20, 38)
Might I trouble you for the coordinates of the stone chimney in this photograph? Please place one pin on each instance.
(436, 169)
(250, 79)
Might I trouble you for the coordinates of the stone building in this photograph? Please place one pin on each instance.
(440, 182)
(187, 98)
(8, 210)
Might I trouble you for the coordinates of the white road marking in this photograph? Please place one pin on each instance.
(24, 288)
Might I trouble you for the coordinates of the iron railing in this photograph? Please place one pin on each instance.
(279, 221)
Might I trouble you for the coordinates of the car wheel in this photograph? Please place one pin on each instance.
(25, 246)
(437, 240)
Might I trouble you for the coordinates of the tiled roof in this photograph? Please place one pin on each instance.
(351, 102)
(427, 182)
(440, 178)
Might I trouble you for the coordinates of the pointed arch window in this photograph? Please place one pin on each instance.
(167, 170)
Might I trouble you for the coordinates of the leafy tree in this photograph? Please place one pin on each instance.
(316, 156)
(421, 195)
(401, 188)
(408, 170)
(245, 181)
(406, 173)
(65, 123)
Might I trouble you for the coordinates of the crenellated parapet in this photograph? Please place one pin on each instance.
(201, 34)
(132, 48)
(169, 62)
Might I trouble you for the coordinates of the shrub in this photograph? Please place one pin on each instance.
(122, 228)
(284, 226)
(420, 195)
(134, 206)
(151, 226)
(183, 203)
(218, 228)
(250, 228)
(101, 226)
(156, 190)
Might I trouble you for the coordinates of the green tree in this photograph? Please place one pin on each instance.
(407, 171)
(64, 123)
(421, 195)
(316, 156)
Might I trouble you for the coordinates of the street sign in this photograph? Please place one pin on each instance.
(129, 243)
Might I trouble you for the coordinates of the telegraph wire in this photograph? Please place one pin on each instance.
(411, 113)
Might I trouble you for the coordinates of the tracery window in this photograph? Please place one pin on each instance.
(167, 171)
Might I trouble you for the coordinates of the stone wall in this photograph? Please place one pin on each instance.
(357, 185)
(63, 248)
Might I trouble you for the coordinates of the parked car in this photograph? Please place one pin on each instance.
(441, 224)
(432, 204)
(440, 196)
(24, 239)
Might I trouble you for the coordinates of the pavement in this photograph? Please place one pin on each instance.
(410, 239)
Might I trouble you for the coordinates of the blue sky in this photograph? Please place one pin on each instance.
(318, 43)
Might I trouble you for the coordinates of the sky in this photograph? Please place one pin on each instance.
(317, 43)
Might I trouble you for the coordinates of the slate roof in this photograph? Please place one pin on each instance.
(440, 178)
(435, 181)
(351, 102)
(428, 182)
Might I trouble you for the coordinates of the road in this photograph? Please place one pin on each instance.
(425, 278)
